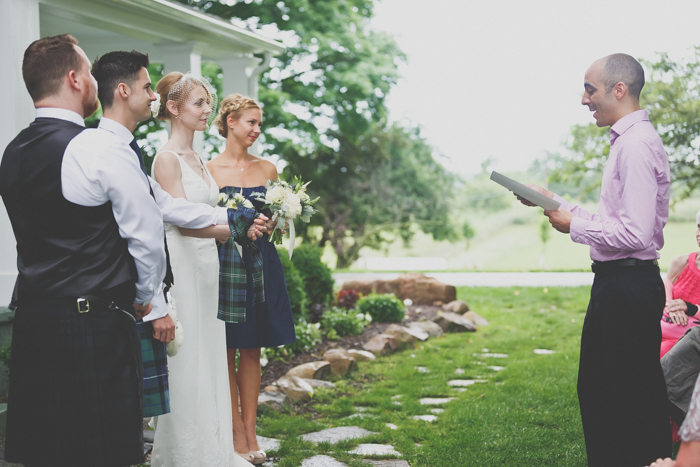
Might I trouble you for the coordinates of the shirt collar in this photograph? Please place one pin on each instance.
(626, 122)
(61, 114)
(117, 128)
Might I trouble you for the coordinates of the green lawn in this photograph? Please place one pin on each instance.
(527, 414)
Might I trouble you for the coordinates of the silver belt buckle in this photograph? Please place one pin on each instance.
(83, 305)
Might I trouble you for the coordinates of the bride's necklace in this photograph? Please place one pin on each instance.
(243, 166)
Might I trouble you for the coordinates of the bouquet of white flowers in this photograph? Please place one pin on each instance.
(287, 201)
(233, 200)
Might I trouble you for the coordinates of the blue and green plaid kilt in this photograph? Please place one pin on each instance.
(156, 394)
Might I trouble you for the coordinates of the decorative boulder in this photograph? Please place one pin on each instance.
(296, 388)
(400, 334)
(379, 344)
(452, 322)
(457, 306)
(432, 328)
(422, 290)
(363, 355)
(475, 318)
(275, 400)
(341, 361)
(312, 370)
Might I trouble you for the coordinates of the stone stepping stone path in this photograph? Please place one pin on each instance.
(435, 400)
(392, 426)
(464, 382)
(268, 444)
(322, 461)
(544, 351)
(459, 371)
(375, 450)
(427, 418)
(387, 463)
(497, 368)
(334, 435)
(437, 411)
(492, 355)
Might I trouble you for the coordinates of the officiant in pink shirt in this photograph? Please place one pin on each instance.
(621, 387)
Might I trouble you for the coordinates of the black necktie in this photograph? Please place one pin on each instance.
(169, 279)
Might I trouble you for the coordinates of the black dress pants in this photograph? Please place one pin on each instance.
(621, 386)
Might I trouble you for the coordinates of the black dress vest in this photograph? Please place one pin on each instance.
(63, 249)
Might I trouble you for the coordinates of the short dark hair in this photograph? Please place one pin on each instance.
(116, 67)
(47, 61)
(625, 68)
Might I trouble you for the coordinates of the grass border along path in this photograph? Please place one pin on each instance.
(525, 414)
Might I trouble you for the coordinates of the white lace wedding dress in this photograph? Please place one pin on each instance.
(198, 431)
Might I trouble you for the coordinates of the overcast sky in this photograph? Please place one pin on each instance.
(504, 78)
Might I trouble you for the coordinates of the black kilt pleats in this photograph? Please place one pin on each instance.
(76, 386)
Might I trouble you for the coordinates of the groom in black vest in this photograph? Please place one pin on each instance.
(75, 396)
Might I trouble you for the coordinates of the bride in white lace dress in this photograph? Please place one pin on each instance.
(198, 431)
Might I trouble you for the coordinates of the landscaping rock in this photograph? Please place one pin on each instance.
(334, 435)
(433, 329)
(475, 318)
(401, 335)
(312, 370)
(387, 463)
(273, 399)
(341, 361)
(375, 450)
(322, 461)
(317, 383)
(422, 290)
(380, 344)
(362, 355)
(452, 322)
(418, 333)
(296, 388)
(456, 306)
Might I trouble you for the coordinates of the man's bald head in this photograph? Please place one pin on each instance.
(625, 68)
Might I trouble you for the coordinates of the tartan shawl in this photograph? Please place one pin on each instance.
(233, 279)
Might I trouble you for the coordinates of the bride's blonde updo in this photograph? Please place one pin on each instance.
(176, 87)
(233, 104)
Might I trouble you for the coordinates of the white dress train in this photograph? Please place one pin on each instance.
(198, 431)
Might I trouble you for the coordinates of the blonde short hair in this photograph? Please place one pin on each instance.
(233, 104)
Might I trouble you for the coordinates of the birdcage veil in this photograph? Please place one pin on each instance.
(193, 91)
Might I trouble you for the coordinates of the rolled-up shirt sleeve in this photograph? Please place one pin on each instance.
(182, 213)
(633, 226)
(137, 215)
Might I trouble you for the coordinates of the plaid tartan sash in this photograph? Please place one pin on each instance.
(233, 277)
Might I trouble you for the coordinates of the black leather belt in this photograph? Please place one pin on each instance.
(600, 266)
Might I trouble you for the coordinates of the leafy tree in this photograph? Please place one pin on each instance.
(325, 116)
(672, 95)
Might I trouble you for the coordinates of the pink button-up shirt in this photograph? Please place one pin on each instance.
(633, 197)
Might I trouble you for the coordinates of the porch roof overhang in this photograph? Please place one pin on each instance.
(148, 23)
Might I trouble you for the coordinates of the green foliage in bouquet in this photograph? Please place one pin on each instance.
(384, 308)
(315, 275)
(339, 322)
(295, 284)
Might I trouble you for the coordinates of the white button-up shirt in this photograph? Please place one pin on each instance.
(100, 166)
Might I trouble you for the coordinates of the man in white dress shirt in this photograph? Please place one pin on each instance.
(86, 263)
(124, 88)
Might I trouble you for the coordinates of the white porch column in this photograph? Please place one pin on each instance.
(19, 27)
(184, 58)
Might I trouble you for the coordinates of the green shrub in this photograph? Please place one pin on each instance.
(382, 308)
(338, 322)
(308, 337)
(295, 285)
(315, 275)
